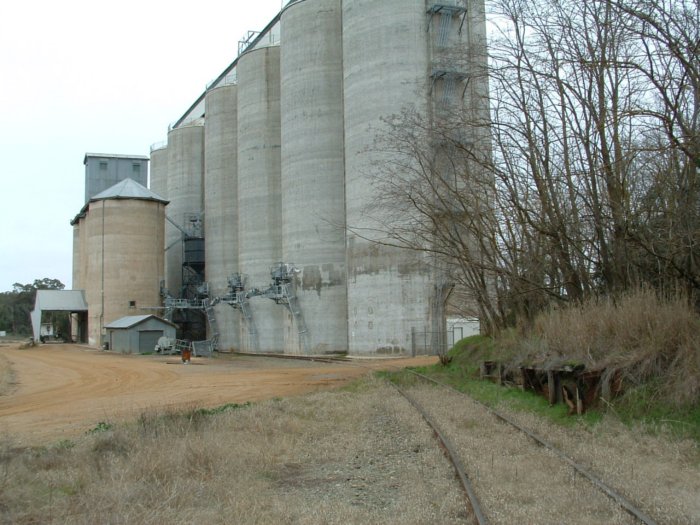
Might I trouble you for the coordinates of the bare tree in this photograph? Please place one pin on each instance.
(582, 181)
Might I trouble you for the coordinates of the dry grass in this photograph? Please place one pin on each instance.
(641, 335)
(342, 457)
(520, 482)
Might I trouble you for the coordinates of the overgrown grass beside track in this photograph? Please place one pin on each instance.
(655, 344)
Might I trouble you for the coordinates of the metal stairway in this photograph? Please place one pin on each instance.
(247, 313)
(292, 302)
(237, 298)
(213, 325)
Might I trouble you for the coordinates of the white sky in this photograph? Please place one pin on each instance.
(81, 76)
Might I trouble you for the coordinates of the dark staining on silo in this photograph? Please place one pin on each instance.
(335, 275)
(312, 279)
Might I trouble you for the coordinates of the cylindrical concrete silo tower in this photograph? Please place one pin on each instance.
(259, 203)
(313, 192)
(79, 278)
(158, 183)
(125, 235)
(185, 193)
(221, 204)
(158, 180)
(386, 69)
(76, 280)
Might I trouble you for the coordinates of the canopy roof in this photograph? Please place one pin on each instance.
(56, 301)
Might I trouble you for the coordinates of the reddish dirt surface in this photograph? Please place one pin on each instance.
(61, 391)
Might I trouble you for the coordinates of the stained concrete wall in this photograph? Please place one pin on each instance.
(386, 66)
(259, 198)
(313, 192)
(289, 169)
(221, 205)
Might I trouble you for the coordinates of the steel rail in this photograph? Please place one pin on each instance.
(596, 481)
(453, 456)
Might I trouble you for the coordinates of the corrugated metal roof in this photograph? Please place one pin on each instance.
(128, 189)
(132, 320)
(60, 300)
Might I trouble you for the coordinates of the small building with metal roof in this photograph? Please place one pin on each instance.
(138, 334)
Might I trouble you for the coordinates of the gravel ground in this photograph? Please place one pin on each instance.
(380, 464)
(516, 480)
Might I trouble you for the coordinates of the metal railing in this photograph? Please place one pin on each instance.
(159, 145)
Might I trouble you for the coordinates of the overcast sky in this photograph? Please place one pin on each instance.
(82, 76)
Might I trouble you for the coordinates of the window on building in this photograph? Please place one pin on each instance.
(103, 165)
(132, 304)
(136, 169)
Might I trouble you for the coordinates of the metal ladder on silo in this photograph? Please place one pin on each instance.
(447, 12)
(292, 303)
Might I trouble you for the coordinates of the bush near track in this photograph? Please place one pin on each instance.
(654, 343)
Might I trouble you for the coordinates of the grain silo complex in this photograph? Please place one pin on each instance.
(267, 239)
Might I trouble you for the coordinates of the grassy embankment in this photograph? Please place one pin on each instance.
(654, 344)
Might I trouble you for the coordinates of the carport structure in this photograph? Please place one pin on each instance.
(72, 301)
(137, 334)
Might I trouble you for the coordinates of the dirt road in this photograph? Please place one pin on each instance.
(61, 391)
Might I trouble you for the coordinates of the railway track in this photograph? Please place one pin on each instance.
(507, 472)
(595, 481)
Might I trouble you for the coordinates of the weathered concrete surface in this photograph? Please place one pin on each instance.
(386, 68)
(185, 192)
(259, 197)
(313, 192)
(221, 204)
(124, 260)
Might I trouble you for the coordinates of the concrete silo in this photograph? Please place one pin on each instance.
(221, 204)
(158, 182)
(313, 192)
(386, 69)
(76, 277)
(259, 203)
(185, 193)
(124, 238)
